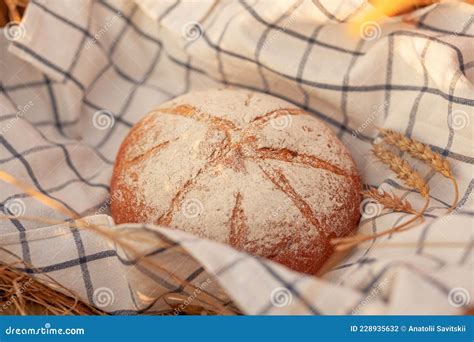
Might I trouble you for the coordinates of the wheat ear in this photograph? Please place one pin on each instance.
(389, 201)
(424, 153)
(410, 177)
(344, 243)
(402, 169)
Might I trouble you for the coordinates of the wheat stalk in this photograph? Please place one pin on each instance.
(410, 177)
(389, 201)
(125, 241)
(344, 243)
(424, 153)
(22, 294)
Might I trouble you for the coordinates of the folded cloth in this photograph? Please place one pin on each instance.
(75, 78)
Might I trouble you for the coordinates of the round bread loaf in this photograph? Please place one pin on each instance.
(242, 168)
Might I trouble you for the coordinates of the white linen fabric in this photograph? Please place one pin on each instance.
(75, 76)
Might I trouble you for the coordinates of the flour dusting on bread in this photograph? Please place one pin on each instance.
(242, 168)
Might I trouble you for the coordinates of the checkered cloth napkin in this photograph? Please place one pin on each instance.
(74, 77)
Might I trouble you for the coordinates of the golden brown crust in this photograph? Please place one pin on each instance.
(238, 224)
(305, 251)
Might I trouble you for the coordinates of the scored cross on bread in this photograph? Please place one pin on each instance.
(241, 168)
